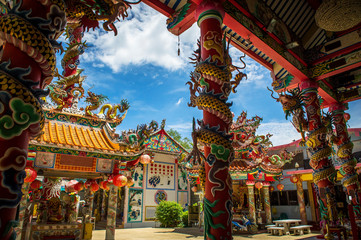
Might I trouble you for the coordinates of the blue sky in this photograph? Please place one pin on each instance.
(141, 65)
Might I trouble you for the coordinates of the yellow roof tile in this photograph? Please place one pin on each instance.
(59, 134)
(76, 135)
(66, 135)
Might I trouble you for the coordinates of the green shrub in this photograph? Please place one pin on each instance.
(169, 214)
(185, 219)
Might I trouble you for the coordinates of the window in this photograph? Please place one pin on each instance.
(292, 197)
(285, 198)
(274, 199)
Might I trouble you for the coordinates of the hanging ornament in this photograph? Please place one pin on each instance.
(88, 183)
(280, 186)
(130, 181)
(258, 185)
(338, 15)
(36, 184)
(145, 159)
(178, 45)
(346, 116)
(271, 188)
(104, 185)
(31, 174)
(69, 186)
(294, 179)
(79, 186)
(194, 189)
(94, 186)
(120, 180)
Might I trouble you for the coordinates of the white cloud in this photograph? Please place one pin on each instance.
(257, 75)
(283, 132)
(184, 128)
(179, 101)
(147, 41)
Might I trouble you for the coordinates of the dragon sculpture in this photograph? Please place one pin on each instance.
(136, 138)
(297, 103)
(63, 91)
(111, 111)
(254, 147)
(207, 100)
(28, 34)
(293, 104)
(210, 85)
(95, 100)
(89, 12)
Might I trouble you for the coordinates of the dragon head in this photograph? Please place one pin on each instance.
(290, 102)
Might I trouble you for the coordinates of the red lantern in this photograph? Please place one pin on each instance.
(36, 184)
(346, 116)
(280, 186)
(79, 186)
(70, 186)
(104, 185)
(120, 180)
(94, 187)
(88, 183)
(271, 188)
(30, 174)
(130, 181)
(258, 185)
(294, 179)
(145, 159)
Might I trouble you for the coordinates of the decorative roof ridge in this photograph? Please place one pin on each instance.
(72, 149)
(162, 131)
(62, 116)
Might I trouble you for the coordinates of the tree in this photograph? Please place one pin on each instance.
(184, 141)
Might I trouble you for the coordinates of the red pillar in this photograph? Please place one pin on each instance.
(27, 48)
(324, 173)
(213, 75)
(346, 160)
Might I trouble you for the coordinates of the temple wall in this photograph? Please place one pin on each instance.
(161, 180)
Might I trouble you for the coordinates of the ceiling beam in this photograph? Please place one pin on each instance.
(160, 7)
(236, 20)
(336, 65)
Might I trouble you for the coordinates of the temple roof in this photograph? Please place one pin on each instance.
(77, 136)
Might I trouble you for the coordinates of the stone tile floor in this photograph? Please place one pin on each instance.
(185, 233)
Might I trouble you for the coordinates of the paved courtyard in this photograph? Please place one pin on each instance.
(182, 234)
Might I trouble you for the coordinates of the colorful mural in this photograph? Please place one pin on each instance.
(159, 196)
(104, 165)
(161, 176)
(182, 179)
(135, 205)
(45, 160)
(138, 176)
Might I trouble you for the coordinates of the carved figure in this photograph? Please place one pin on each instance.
(63, 91)
(292, 104)
(95, 100)
(111, 111)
